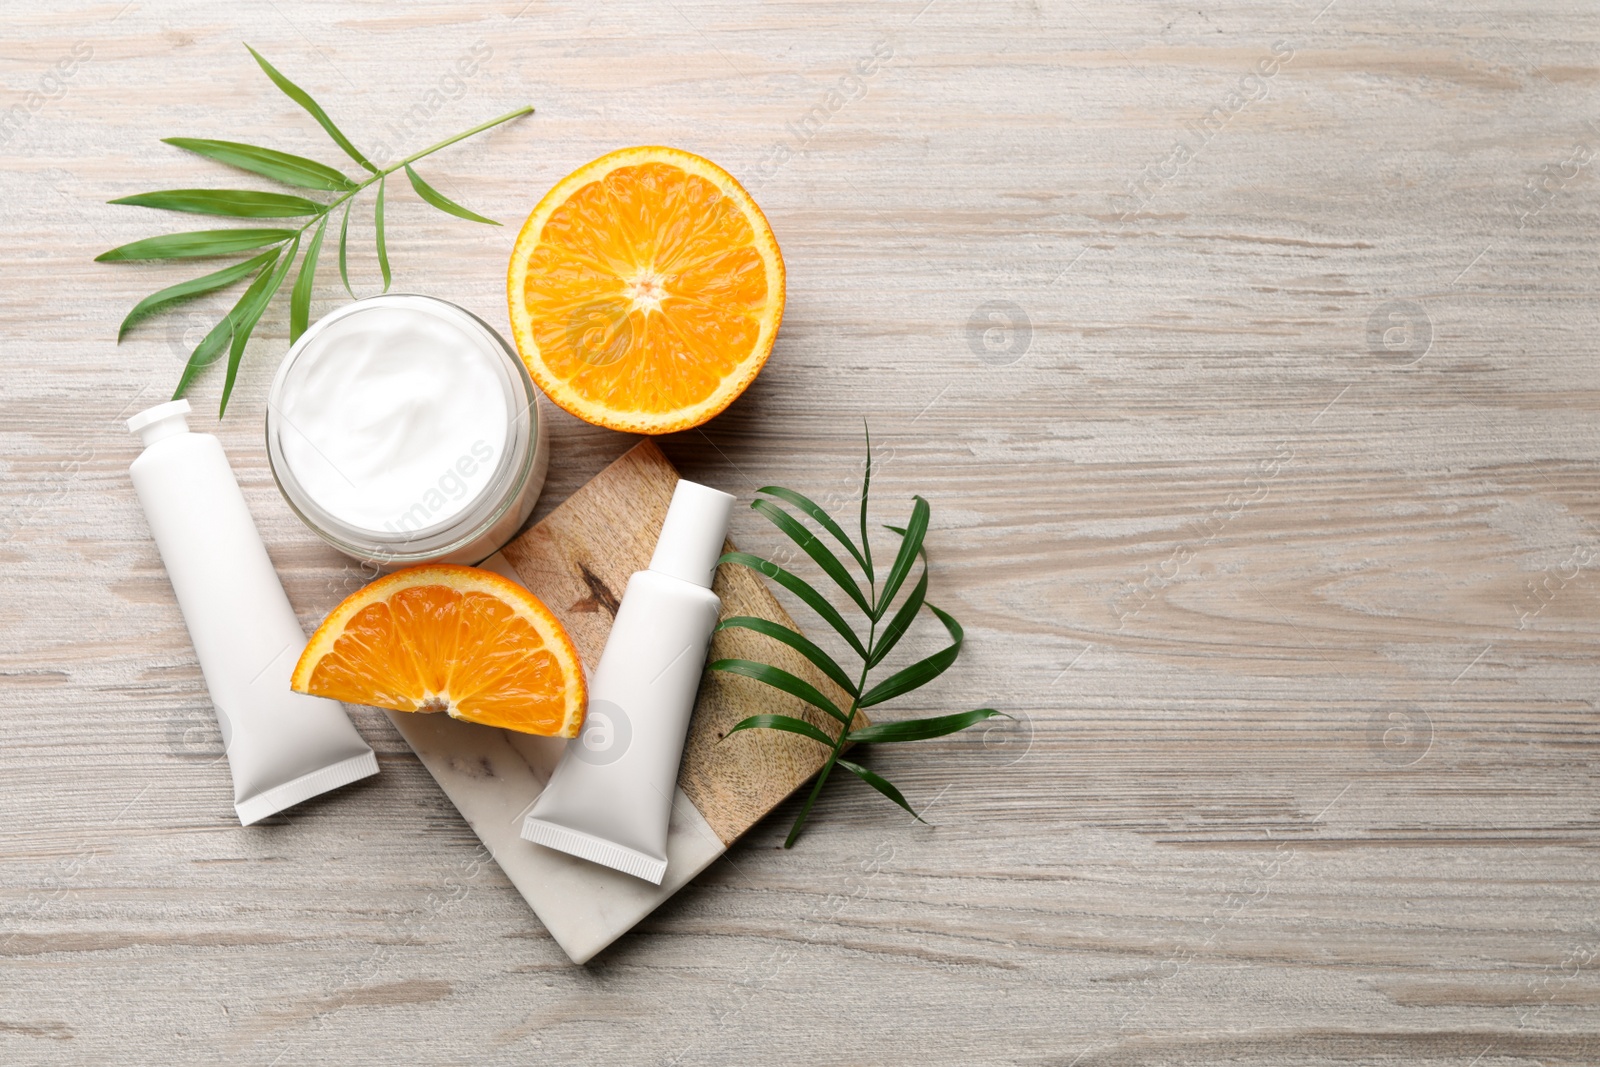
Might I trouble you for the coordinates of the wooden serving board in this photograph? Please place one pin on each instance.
(578, 560)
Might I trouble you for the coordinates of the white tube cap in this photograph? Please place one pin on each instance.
(162, 421)
(691, 538)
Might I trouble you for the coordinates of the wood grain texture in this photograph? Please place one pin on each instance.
(578, 559)
(1298, 629)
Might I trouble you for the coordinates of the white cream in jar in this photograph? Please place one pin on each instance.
(404, 430)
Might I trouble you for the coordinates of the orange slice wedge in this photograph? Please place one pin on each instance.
(441, 637)
(645, 290)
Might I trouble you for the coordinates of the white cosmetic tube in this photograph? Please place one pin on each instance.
(610, 798)
(283, 747)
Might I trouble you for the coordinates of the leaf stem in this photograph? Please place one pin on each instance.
(447, 142)
(378, 176)
(838, 743)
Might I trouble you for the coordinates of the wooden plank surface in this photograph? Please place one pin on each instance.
(578, 560)
(1258, 416)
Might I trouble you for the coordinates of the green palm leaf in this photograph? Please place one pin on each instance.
(910, 545)
(210, 347)
(866, 485)
(787, 723)
(383, 249)
(442, 202)
(194, 243)
(879, 643)
(812, 546)
(796, 641)
(813, 599)
(206, 352)
(920, 729)
(300, 298)
(344, 240)
(921, 672)
(268, 270)
(823, 519)
(301, 97)
(207, 283)
(235, 203)
(248, 314)
(881, 785)
(901, 622)
(267, 162)
(782, 680)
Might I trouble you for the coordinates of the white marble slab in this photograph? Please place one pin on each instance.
(494, 776)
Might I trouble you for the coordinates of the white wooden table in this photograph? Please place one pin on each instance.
(1258, 413)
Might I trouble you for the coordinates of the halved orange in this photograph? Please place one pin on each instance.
(442, 637)
(645, 290)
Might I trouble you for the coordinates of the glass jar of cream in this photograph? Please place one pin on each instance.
(403, 429)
